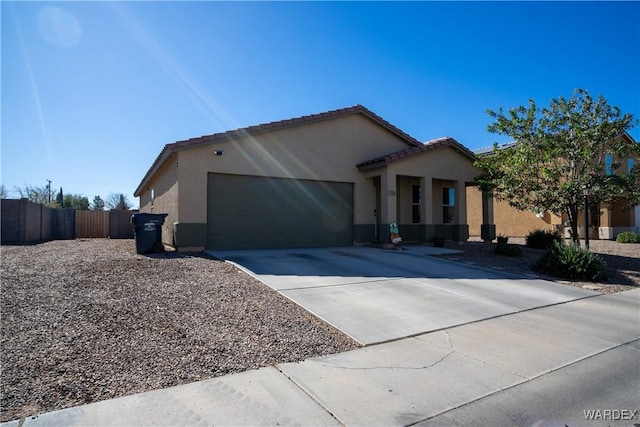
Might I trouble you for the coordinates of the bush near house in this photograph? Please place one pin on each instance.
(628, 237)
(571, 262)
(542, 239)
(507, 249)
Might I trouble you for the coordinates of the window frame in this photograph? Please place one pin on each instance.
(448, 209)
(416, 204)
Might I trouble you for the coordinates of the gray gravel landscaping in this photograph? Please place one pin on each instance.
(88, 320)
(622, 259)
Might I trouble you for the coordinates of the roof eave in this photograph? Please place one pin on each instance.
(370, 166)
(169, 149)
(164, 155)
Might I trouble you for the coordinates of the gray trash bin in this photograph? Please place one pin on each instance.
(147, 230)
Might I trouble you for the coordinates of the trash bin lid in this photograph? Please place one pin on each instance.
(141, 218)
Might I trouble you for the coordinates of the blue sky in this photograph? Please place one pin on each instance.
(91, 91)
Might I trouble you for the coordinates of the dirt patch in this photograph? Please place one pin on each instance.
(88, 320)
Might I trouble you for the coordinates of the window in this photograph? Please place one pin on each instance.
(630, 164)
(448, 204)
(415, 204)
(608, 163)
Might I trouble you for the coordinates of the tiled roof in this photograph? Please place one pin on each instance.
(485, 150)
(427, 146)
(266, 127)
(489, 150)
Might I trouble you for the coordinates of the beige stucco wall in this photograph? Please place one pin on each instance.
(442, 163)
(474, 210)
(327, 150)
(621, 215)
(165, 188)
(508, 220)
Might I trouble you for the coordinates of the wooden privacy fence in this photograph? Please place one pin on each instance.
(27, 222)
(114, 224)
(92, 224)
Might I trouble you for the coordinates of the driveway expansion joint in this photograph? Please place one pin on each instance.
(408, 368)
(337, 285)
(497, 316)
(309, 395)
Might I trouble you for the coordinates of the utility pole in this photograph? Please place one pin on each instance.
(49, 189)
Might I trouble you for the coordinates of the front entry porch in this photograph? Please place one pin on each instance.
(424, 208)
(424, 190)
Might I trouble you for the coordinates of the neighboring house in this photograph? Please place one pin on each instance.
(606, 221)
(331, 179)
(508, 220)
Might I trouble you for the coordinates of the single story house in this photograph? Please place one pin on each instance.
(329, 179)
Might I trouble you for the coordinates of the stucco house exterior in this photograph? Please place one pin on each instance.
(606, 220)
(329, 179)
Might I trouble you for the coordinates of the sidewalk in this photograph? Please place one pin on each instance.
(544, 366)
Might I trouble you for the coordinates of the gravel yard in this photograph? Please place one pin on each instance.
(88, 320)
(623, 262)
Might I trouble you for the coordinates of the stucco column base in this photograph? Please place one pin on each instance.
(383, 234)
(455, 232)
(461, 232)
(605, 233)
(488, 232)
(189, 236)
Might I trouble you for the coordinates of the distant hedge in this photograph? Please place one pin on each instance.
(628, 237)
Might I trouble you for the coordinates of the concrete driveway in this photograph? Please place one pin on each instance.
(377, 295)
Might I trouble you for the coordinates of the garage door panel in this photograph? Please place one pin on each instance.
(259, 224)
(261, 212)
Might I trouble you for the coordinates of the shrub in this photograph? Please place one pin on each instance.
(628, 237)
(571, 262)
(542, 239)
(502, 239)
(508, 250)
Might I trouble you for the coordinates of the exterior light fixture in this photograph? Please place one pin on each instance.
(218, 152)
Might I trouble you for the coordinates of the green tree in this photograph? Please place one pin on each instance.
(76, 201)
(98, 204)
(559, 151)
(80, 202)
(60, 199)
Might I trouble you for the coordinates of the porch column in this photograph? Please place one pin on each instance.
(488, 228)
(426, 186)
(461, 228)
(605, 230)
(460, 210)
(387, 203)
